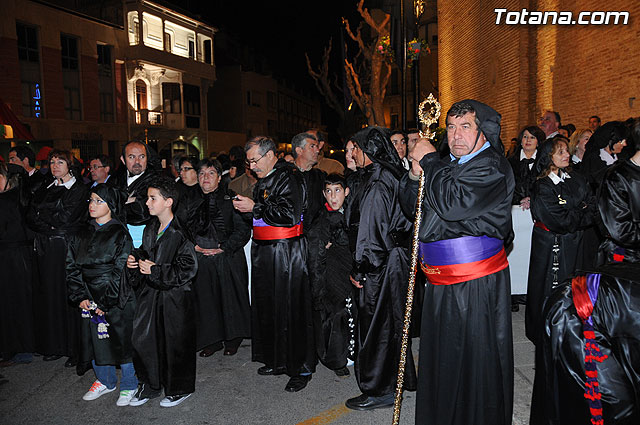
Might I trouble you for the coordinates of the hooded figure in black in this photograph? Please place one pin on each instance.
(602, 151)
(96, 259)
(466, 350)
(16, 250)
(619, 204)
(381, 266)
(561, 206)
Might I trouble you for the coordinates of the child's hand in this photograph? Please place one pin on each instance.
(131, 262)
(99, 312)
(84, 304)
(355, 283)
(145, 266)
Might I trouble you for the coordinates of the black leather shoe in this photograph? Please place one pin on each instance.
(210, 349)
(365, 402)
(83, 368)
(296, 383)
(342, 372)
(266, 370)
(71, 362)
(50, 358)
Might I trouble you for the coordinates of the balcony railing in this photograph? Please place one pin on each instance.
(157, 118)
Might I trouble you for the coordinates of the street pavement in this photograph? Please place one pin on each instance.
(228, 391)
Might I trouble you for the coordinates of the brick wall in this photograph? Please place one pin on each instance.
(53, 91)
(10, 89)
(522, 70)
(89, 82)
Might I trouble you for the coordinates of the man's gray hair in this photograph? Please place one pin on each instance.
(300, 141)
(264, 143)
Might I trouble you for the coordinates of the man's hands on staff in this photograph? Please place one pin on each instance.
(243, 204)
(421, 148)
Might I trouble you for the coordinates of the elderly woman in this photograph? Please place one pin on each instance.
(16, 321)
(56, 212)
(522, 163)
(561, 207)
(95, 261)
(221, 285)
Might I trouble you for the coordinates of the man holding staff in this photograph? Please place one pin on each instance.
(466, 352)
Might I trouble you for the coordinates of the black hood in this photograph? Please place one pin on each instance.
(489, 122)
(376, 143)
(115, 199)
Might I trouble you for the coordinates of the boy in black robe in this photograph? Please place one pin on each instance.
(333, 300)
(164, 332)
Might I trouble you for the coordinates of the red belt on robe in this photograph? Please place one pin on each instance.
(541, 225)
(462, 259)
(264, 232)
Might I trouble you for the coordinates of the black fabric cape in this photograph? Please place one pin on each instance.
(558, 392)
(164, 331)
(334, 306)
(524, 176)
(136, 212)
(619, 204)
(281, 307)
(381, 266)
(96, 259)
(16, 262)
(466, 349)
(222, 283)
(566, 209)
(55, 213)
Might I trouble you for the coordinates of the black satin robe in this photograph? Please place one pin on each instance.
(136, 212)
(524, 177)
(566, 209)
(55, 214)
(619, 204)
(466, 348)
(558, 392)
(222, 283)
(334, 303)
(16, 290)
(381, 265)
(164, 330)
(281, 307)
(96, 259)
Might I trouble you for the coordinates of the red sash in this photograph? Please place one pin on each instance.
(267, 233)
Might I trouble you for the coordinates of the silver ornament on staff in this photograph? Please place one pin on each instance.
(428, 113)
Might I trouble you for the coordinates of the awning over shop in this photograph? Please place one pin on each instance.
(9, 119)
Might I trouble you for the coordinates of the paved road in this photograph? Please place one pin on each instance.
(228, 391)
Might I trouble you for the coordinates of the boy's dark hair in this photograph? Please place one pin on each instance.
(335, 178)
(167, 188)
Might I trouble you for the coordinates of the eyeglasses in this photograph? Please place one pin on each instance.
(185, 169)
(95, 167)
(95, 201)
(249, 162)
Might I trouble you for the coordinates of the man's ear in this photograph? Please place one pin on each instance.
(321, 145)
(122, 159)
(108, 169)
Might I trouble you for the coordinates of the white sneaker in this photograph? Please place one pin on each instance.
(96, 390)
(125, 397)
(174, 400)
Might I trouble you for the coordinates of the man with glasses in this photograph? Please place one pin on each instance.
(281, 311)
(100, 167)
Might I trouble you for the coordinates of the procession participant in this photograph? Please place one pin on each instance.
(56, 212)
(380, 271)
(96, 258)
(24, 156)
(164, 332)
(100, 169)
(16, 263)
(466, 351)
(328, 165)
(189, 193)
(221, 285)
(135, 157)
(561, 206)
(619, 204)
(399, 140)
(529, 139)
(281, 310)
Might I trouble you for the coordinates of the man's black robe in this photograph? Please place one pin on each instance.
(619, 205)
(55, 213)
(381, 266)
(137, 213)
(222, 283)
(559, 386)
(164, 330)
(466, 349)
(565, 209)
(16, 290)
(96, 259)
(281, 309)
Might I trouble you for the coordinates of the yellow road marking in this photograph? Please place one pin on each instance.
(327, 416)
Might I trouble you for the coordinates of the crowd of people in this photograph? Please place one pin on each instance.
(144, 271)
